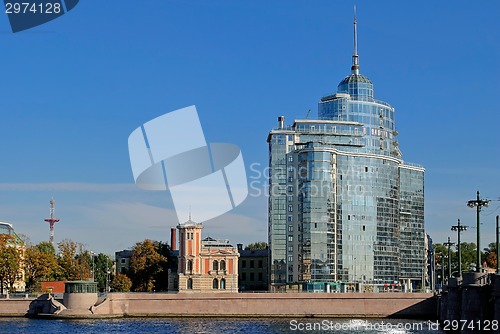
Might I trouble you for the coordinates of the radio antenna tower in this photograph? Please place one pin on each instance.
(52, 220)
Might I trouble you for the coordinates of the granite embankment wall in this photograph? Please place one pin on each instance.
(398, 305)
(14, 307)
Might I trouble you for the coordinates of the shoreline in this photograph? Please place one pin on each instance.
(418, 306)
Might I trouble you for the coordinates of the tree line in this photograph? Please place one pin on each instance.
(468, 257)
(71, 261)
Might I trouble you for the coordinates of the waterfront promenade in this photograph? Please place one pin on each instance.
(345, 305)
(338, 305)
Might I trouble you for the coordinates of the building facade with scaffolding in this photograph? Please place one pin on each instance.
(346, 213)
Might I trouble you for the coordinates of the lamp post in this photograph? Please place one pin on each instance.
(93, 269)
(478, 204)
(449, 244)
(442, 269)
(441, 258)
(498, 246)
(459, 228)
(107, 278)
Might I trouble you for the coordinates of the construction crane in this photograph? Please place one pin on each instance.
(52, 220)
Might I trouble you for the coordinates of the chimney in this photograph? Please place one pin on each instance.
(281, 122)
(173, 238)
(240, 247)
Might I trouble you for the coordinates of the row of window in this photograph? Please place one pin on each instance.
(252, 264)
(216, 265)
(252, 276)
(215, 284)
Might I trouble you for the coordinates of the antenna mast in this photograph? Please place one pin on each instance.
(52, 220)
(355, 60)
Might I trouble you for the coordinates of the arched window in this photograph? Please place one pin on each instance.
(215, 284)
(190, 283)
(190, 266)
(223, 284)
(216, 265)
(222, 265)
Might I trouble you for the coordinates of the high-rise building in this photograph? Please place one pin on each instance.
(345, 211)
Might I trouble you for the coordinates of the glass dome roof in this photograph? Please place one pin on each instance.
(355, 78)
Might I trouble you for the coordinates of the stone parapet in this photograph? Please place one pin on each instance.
(398, 305)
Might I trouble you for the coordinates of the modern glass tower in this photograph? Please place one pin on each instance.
(345, 211)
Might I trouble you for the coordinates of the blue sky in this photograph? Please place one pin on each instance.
(75, 88)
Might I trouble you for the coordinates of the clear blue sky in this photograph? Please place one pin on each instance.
(75, 88)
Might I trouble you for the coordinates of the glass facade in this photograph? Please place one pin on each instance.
(343, 206)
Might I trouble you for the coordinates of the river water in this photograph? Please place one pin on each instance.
(216, 325)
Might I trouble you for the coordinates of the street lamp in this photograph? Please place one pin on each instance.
(498, 246)
(449, 244)
(107, 278)
(93, 269)
(478, 204)
(459, 228)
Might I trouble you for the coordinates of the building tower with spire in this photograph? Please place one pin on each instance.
(345, 211)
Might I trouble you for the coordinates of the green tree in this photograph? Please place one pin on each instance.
(121, 283)
(10, 262)
(40, 264)
(161, 278)
(260, 245)
(102, 265)
(146, 265)
(468, 256)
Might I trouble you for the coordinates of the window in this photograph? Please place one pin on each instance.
(290, 158)
(215, 284)
(243, 263)
(252, 277)
(290, 189)
(251, 264)
(290, 208)
(290, 238)
(222, 265)
(290, 278)
(190, 265)
(190, 283)
(215, 265)
(290, 218)
(260, 277)
(122, 261)
(260, 263)
(223, 284)
(244, 276)
(290, 228)
(290, 258)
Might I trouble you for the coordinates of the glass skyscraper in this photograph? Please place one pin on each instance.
(345, 211)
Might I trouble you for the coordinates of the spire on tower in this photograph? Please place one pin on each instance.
(355, 60)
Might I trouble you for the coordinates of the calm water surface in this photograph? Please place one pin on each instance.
(209, 325)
